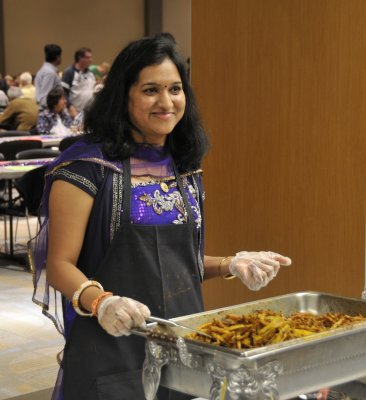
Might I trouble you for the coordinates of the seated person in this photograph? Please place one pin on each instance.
(100, 71)
(26, 85)
(4, 101)
(54, 118)
(21, 113)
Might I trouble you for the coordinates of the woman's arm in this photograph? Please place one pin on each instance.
(44, 122)
(216, 266)
(254, 268)
(69, 209)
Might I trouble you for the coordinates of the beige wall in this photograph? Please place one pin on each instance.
(104, 26)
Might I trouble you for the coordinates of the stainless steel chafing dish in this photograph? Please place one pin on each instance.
(280, 371)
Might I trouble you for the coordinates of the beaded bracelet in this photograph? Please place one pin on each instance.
(226, 276)
(77, 294)
(96, 302)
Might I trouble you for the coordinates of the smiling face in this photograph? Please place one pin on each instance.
(156, 102)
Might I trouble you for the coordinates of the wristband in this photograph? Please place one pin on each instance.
(96, 302)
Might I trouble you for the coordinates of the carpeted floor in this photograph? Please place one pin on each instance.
(28, 340)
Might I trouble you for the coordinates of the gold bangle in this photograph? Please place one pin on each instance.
(77, 294)
(228, 276)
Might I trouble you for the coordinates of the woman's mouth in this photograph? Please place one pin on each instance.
(163, 115)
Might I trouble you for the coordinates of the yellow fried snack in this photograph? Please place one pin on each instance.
(265, 327)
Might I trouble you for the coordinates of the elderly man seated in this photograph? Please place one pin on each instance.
(21, 113)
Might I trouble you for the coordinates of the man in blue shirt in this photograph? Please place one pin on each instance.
(47, 77)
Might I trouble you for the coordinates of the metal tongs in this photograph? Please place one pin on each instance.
(170, 323)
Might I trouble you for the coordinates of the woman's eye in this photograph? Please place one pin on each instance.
(150, 90)
(176, 89)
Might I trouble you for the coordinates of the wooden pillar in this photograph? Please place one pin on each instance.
(153, 17)
(2, 40)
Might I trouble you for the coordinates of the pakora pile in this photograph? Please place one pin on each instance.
(265, 327)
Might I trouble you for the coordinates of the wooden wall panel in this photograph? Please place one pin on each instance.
(282, 89)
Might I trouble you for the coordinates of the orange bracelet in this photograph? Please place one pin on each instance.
(95, 303)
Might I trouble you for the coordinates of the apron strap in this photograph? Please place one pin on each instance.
(126, 187)
(126, 198)
(186, 202)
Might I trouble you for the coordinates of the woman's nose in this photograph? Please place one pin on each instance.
(165, 99)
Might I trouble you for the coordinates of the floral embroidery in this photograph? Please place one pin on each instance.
(161, 202)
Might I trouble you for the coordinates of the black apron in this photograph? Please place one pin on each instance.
(154, 264)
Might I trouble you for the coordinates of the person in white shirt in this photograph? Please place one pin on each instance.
(78, 81)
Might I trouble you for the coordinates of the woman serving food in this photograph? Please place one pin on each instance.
(122, 225)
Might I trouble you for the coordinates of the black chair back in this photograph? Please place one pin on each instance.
(30, 187)
(36, 153)
(11, 148)
(14, 133)
(67, 142)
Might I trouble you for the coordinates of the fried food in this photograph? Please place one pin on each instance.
(265, 327)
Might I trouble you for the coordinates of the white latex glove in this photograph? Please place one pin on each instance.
(257, 268)
(118, 315)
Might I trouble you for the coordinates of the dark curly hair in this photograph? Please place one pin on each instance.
(54, 96)
(52, 52)
(107, 118)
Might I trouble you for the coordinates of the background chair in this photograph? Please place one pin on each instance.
(67, 142)
(9, 149)
(14, 133)
(2, 183)
(30, 188)
(36, 153)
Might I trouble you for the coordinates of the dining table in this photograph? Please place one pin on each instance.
(47, 140)
(10, 170)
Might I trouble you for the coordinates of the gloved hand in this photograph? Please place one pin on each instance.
(257, 268)
(118, 315)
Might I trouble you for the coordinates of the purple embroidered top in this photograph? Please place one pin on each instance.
(155, 200)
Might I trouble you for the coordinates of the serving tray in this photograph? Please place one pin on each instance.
(279, 371)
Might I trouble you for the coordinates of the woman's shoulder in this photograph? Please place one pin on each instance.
(46, 113)
(84, 149)
(85, 175)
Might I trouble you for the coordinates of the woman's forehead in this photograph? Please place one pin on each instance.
(159, 73)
